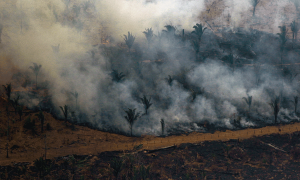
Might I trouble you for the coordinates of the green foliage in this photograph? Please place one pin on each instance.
(30, 125)
(149, 35)
(7, 90)
(162, 122)
(116, 76)
(276, 108)
(41, 117)
(131, 117)
(116, 165)
(129, 40)
(36, 69)
(147, 103)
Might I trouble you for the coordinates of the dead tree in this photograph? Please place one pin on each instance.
(254, 4)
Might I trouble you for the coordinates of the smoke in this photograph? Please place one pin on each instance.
(79, 43)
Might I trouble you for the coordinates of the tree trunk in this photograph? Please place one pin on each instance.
(36, 82)
(254, 10)
(7, 131)
(131, 130)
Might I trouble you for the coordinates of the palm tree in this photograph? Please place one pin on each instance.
(294, 29)
(7, 91)
(146, 103)
(199, 30)
(149, 35)
(275, 106)
(75, 94)
(129, 40)
(131, 117)
(162, 122)
(36, 69)
(65, 112)
(282, 38)
(248, 100)
(254, 4)
(41, 117)
(170, 30)
(116, 76)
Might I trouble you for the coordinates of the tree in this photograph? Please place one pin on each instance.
(7, 112)
(149, 35)
(36, 69)
(131, 117)
(116, 76)
(294, 29)
(65, 112)
(41, 117)
(248, 100)
(129, 40)
(169, 80)
(20, 112)
(8, 91)
(75, 94)
(162, 122)
(282, 38)
(170, 30)
(198, 32)
(295, 103)
(15, 103)
(275, 106)
(254, 4)
(146, 103)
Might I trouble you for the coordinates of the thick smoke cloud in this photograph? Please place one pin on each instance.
(79, 43)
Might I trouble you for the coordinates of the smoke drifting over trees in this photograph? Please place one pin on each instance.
(80, 47)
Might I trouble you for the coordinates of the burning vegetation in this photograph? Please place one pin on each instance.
(162, 80)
